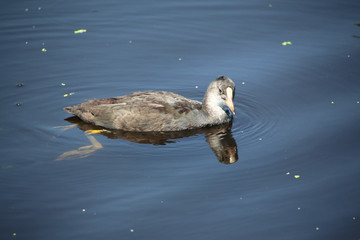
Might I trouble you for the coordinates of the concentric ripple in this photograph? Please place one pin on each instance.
(255, 120)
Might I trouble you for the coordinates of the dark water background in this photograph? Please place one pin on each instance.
(298, 114)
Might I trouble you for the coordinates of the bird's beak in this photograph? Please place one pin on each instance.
(229, 99)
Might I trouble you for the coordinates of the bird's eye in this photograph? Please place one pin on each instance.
(220, 91)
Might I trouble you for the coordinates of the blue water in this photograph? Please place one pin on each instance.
(296, 130)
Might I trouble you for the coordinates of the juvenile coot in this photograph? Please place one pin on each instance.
(161, 111)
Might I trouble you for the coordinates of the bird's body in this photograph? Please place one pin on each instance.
(159, 110)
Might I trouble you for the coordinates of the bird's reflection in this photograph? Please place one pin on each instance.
(219, 137)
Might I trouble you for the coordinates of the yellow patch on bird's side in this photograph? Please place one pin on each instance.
(93, 131)
(80, 31)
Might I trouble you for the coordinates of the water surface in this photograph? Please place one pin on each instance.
(296, 130)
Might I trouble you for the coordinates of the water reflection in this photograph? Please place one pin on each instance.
(356, 36)
(219, 138)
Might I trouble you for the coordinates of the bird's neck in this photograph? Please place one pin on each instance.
(211, 107)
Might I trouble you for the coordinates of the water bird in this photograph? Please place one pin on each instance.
(153, 111)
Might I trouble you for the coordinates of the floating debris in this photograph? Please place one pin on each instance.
(26, 42)
(39, 8)
(63, 84)
(243, 83)
(286, 43)
(44, 50)
(18, 104)
(288, 173)
(69, 94)
(196, 86)
(7, 167)
(317, 228)
(180, 59)
(260, 139)
(19, 85)
(83, 209)
(130, 42)
(296, 176)
(80, 31)
(332, 102)
(298, 209)
(132, 230)
(270, 5)
(357, 102)
(14, 234)
(26, 9)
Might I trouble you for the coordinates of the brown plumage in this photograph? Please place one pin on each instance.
(159, 110)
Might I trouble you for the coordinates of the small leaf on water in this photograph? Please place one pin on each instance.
(80, 31)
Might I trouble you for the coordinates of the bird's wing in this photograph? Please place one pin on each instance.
(139, 111)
